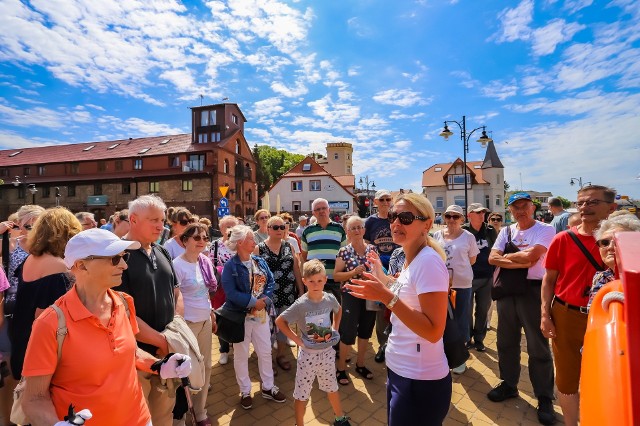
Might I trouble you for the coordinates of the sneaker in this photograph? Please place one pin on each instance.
(502, 392)
(460, 369)
(342, 421)
(274, 394)
(380, 355)
(480, 347)
(546, 415)
(224, 358)
(246, 401)
(469, 344)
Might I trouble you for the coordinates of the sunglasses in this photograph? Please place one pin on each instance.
(406, 218)
(15, 227)
(278, 227)
(604, 243)
(263, 218)
(199, 238)
(386, 200)
(496, 219)
(185, 222)
(27, 227)
(452, 216)
(115, 260)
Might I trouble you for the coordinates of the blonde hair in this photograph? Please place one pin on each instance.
(28, 213)
(51, 232)
(259, 212)
(228, 221)
(273, 219)
(238, 234)
(425, 208)
(313, 267)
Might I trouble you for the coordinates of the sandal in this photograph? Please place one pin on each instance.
(283, 363)
(364, 372)
(342, 377)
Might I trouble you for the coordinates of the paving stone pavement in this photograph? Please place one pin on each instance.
(365, 400)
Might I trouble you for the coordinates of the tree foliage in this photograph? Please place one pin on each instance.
(565, 203)
(271, 164)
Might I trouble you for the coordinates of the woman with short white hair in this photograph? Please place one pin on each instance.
(248, 284)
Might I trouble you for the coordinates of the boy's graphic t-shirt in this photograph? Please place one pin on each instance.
(314, 320)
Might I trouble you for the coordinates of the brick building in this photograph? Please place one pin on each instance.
(102, 177)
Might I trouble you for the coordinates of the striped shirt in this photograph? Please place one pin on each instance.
(324, 243)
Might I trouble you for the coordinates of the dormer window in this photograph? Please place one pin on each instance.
(234, 118)
(438, 169)
(207, 118)
(237, 146)
(306, 167)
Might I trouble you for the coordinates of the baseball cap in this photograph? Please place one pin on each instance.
(518, 196)
(95, 242)
(381, 193)
(455, 209)
(303, 217)
(477, 207)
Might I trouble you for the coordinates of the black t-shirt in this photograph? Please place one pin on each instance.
(378, 232)
(32, 295)
(485, 237)
(151, 280)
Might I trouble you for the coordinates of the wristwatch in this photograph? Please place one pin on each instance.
(393, 301)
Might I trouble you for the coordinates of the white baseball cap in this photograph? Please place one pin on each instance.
(95, 242)
(455, 209)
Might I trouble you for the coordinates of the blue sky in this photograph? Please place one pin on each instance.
(556, 82)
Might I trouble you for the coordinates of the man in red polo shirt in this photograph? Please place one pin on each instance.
(565, 293)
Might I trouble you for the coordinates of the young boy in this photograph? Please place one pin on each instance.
(316, 358)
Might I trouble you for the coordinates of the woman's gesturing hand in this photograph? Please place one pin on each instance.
(375, 264)
(370, 288)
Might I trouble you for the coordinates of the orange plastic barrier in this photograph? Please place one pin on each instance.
(610, 378)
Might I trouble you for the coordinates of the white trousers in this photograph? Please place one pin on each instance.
(259, 335)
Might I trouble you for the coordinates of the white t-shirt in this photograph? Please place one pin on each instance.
(173, 247)
(458, 252)
(539, 234)
(408, 354)
(294, 244)
(195, 293)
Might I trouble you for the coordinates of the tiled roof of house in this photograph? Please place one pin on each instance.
(346, 180)
(314, 169)
(435, 175)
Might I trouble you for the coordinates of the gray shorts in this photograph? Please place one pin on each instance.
(312, 364)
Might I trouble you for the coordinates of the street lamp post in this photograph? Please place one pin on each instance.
(484, 139)
(578, 180)
(368, 184)
(30, 186)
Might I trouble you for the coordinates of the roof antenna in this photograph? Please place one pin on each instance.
(201, 98)
(225, 98)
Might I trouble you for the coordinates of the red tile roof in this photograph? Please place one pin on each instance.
(346, 180)
(315, 170)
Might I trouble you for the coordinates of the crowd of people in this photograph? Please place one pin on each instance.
(143, 292)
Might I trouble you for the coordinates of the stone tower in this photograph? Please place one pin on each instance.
(339, 159)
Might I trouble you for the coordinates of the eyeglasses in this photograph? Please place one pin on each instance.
(278, 227)
(115, 260)
(185, 222)
(604, 243)
(452, 216)
(385, 200)
(357, 228)
(27, 227)
(15, 227)
(590, 203)
(406, 218)
(319, 209)
(263, 218)
(496, 219)
(199, 238)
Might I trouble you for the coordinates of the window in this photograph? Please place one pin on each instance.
(296, 185)
(335, 156)
(348, 156)
(187, 185)
(143, 150)
(237, 146)
(154, 187)
(102, 166)
(21, 192)
(314, 185)
(498, 179)
(226, 166)
(203, 138)
(137, 164)
(75, 168)
(41, 170)
(295, 206)
(306, 167)
(89, 148)
(126, 188)
(174, 161)
(118, 165)
(46, 192)
(437, 169)
(97, 189)
(4, 172)
(204, 118)
(26, 171)
(498, 201)
(215, 137)
(458, 200)
(249, 194)
(487, 201)
(440, 202)
(458, 179)
(234, 118)
(196, 162)
(71, 190)
(348, 169)
(113, 146)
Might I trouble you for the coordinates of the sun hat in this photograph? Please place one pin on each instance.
(455, 209)
(477, 208)
(381, 193)
(95, 242)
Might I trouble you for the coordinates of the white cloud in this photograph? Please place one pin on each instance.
(573, 6)
(515, 22)
(557, 31)
(400, 97)
(499, 90)
(290, 92)
(360, 28)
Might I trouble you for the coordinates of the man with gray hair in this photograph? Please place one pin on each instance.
(151, 280)
(322, 240)
(87, 220)
(560, 215)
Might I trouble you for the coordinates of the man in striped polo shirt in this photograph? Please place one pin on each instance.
(322, 240)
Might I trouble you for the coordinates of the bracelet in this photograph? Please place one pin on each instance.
(393, 301)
